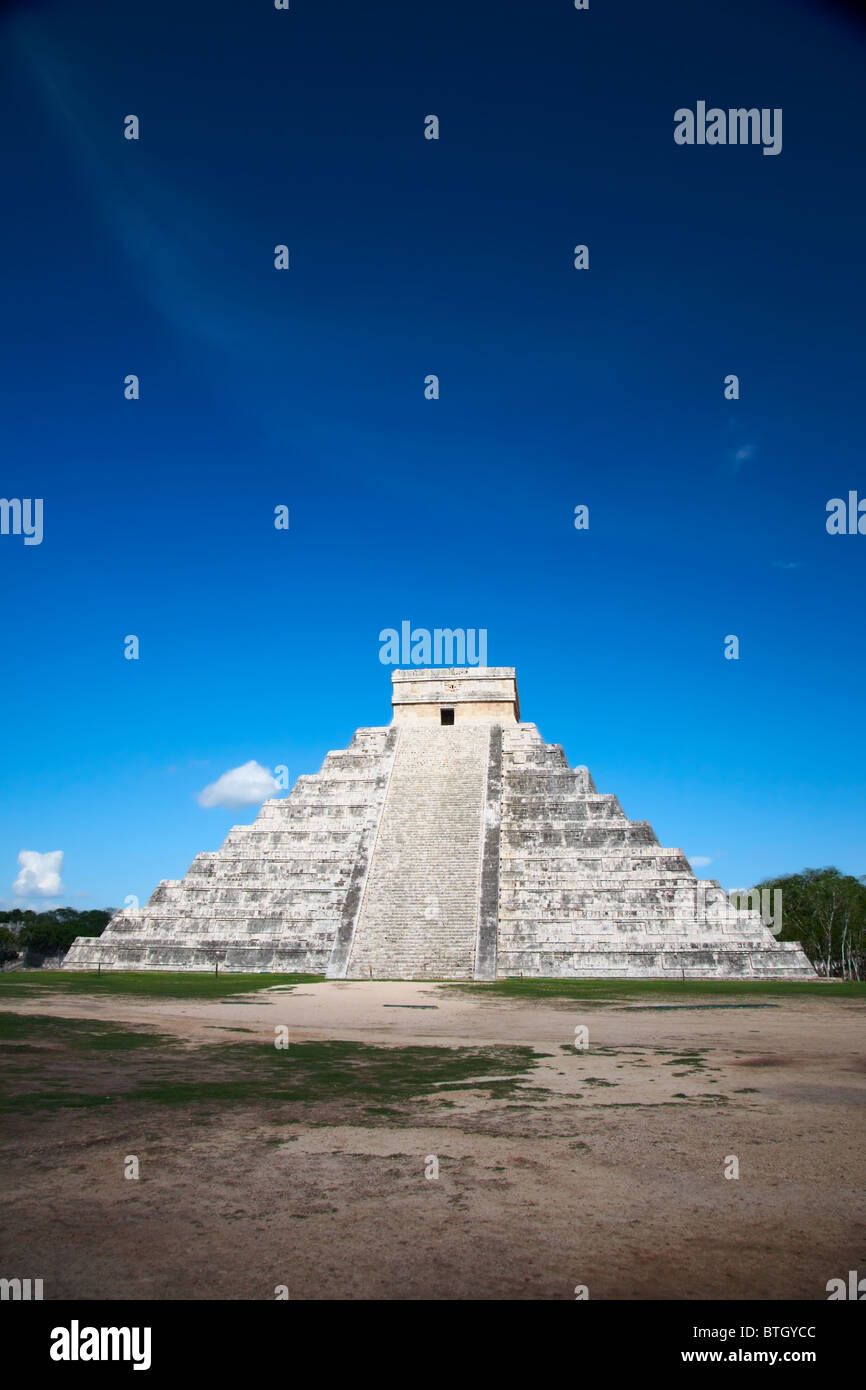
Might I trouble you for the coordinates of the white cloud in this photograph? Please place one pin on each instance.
(241, 786)
(40, 874)
(742, 455)
(699, 861)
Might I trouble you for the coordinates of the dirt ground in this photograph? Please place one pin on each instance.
(605, 1169)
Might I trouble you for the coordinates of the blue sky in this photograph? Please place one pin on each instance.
(306, 388)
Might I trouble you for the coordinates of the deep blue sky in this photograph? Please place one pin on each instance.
(558, 387)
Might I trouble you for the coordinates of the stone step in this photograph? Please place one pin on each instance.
(277, 956)
(419, 915)
(223, 921)
(197, 899)
(697, 963)
(586, 837)
(283, 844)
(593, 859)
(600, 912)
(647, 879)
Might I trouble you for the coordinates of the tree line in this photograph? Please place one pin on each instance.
(825, 911)
(35, 935)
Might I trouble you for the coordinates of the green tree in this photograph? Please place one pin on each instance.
(9, 948)
(52, 933)
(825, 911)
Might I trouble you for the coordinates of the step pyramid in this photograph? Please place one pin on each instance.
(452, 844)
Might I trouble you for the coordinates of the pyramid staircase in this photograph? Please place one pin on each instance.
(419, 917)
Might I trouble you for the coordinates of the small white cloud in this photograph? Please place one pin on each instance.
(248, 785)
(786, 564)
(40, 874)
(742, 455)
(699, 861)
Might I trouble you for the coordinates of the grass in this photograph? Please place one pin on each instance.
(169, 984)
(154, 984)
(338, 1070)
(597, 991)
(22, 1033)
(47, 1062)
(37, 1054)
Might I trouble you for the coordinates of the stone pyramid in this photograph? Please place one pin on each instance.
(454, 843)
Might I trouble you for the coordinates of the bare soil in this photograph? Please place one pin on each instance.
(604, 1167)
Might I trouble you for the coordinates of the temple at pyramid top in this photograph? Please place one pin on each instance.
(455, 695)
(452, 843)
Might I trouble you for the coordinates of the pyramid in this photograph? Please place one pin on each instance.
(452, 844)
